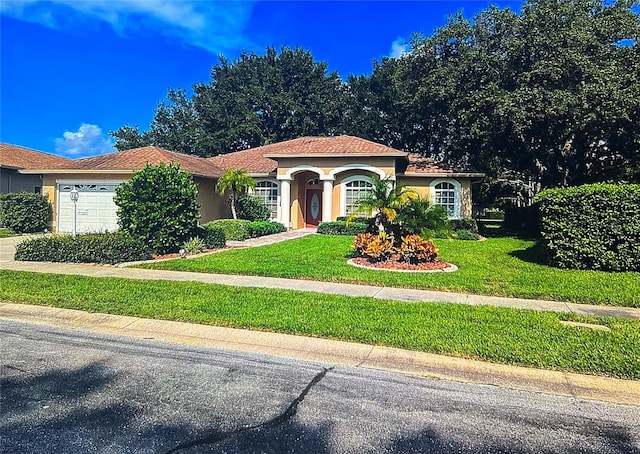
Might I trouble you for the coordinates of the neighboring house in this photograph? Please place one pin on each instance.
(304, 181)
(14, 158)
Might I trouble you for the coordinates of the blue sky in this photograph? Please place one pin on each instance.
(72, 70)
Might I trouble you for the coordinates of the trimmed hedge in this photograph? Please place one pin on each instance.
(593, 226)
(25, 212)
(212, 236)
(362, 219)
(341, 228)
(464, 224)
(234, 229)
(91, 248)
(262, 228)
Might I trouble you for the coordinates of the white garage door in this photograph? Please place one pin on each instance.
(96, 211)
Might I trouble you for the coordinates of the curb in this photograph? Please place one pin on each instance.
(336, 352)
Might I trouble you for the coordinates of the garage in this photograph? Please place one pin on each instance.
(96, 210)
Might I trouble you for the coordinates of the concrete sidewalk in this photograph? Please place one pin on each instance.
(336, 352)
(7, 251)
(335, 288)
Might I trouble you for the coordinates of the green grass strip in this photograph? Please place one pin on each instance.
(501, 335)
(497, 266)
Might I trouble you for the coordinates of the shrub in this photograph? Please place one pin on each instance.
(420, 214)
(25, 212)
(593, 226)
(234, 229)
(360, 219)
(158, 206)
(252, 208)
(464, 224)
(212, 236)
(89, 248)
(194, 245)
(262, 228)
(376, 248)
(466, 235)
(341, 228)
(414, 249)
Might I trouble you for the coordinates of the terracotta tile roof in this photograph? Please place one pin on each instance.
(329, 146)
(252, 160)
(137, 158)
(26, 158)
(421, 166)
(258, 160)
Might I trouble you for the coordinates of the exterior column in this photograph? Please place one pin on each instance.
(327, 199)
(285, 202)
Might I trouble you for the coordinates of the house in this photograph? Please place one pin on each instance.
(310, 180)
(304, 181)
(14, 158)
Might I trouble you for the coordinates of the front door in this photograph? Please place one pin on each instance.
(313, 214)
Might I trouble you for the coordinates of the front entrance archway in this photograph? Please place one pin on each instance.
(313, 213)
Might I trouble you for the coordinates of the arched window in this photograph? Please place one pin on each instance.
(269, 192)
(447, 195)
(355, 188)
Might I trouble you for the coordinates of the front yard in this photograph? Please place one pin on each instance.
(501, 335)
(497, 266)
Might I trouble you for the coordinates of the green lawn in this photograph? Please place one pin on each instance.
(499, 335)
(5, 233)
(497, 266)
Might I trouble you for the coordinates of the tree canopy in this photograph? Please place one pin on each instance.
(549, 96)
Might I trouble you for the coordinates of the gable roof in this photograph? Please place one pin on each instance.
(421, 166)
(16, 157)
(260, 160)
(138, 158)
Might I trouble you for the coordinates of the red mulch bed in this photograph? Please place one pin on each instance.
(392, 265)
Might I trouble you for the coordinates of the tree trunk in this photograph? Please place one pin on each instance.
(232, 201)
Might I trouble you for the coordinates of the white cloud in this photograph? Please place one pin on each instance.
(211, 25)
(399, 48)
(88, 140)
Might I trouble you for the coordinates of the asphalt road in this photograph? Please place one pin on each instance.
(68, 391)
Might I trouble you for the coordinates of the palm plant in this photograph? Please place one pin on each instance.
(423, 217)
(236, 182)
(386, 199)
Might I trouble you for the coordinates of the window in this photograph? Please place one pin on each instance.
(268, 191)
(354, 191)
(447, 195)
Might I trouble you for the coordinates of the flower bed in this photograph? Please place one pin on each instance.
(392, 265)
(411, 253)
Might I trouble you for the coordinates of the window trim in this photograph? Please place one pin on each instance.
(457, 193)
(343, 190)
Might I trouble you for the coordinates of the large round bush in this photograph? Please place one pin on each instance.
(158, 205)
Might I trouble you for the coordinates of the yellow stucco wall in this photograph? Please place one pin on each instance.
(422, 186)
(326, 165)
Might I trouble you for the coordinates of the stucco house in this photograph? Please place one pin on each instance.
(304, 181)
(13, 159)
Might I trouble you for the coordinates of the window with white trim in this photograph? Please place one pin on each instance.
(446, 195)
(354, 191)
(268, 191)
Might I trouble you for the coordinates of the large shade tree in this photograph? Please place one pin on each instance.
(252, 101)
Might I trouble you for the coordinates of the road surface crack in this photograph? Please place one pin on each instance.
(283, 417)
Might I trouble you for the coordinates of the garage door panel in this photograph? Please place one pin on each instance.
(96, 210)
